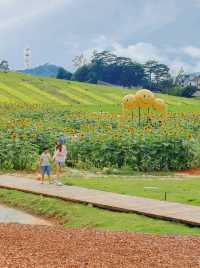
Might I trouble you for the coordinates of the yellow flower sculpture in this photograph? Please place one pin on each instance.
(159, 105)
(129, 102)
(145, 98)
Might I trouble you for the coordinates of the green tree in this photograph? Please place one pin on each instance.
(79, 61)
(161, 73)
(150, 69)
(130, 73)
(117, 70)
(157, 75)
(63, 74)
(4, 66)
(81, 74)
(108, 67)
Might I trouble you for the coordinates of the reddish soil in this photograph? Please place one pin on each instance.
(195, 171)
(42, 247)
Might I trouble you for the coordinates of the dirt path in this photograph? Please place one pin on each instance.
(41, 246)
(11, 215)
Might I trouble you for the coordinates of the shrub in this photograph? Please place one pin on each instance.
(139, 153)
(17, 154)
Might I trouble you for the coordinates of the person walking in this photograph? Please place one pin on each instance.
(59, 157)
(45, 165)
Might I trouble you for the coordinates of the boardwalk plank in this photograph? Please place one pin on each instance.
(149, 207)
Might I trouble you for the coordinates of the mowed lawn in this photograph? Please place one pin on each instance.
(18, 88)
(74, 215)
(177, 189)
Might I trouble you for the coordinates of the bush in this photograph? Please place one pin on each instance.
(141, 154)
(188, 91)
(17, 154)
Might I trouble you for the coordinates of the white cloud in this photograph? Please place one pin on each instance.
(98, 43)
(58, 30)
(192, 51)
(140, 51)
(14, 13)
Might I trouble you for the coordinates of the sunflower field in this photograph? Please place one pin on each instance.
(99, 139)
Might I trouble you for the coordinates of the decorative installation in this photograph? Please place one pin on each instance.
(143, 99)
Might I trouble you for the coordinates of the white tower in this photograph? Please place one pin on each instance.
(27, 58)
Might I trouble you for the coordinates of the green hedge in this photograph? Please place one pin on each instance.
(139, 153)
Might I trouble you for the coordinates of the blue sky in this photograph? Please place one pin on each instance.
(58, 30)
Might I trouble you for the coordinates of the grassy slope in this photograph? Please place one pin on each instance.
(178, 190)
(77, 215)
(20, 88)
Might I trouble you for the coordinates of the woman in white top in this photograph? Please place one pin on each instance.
(59, 157)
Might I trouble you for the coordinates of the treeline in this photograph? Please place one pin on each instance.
(108, 67)
(4, 66)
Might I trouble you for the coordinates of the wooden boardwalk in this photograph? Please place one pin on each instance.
(149, 207)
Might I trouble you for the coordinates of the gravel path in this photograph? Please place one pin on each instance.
(42, 246)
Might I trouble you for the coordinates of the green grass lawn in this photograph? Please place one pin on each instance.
(79, 215)
(178, 190)
(18, 88)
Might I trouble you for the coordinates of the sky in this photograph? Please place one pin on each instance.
(58, 30)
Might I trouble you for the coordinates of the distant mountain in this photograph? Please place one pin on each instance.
(48, 70)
